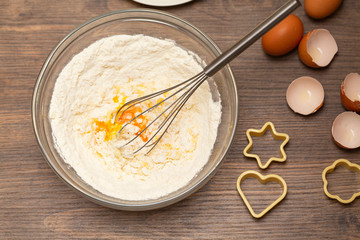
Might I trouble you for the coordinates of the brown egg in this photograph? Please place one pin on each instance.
(284, 37)
(305, 95)
(317, 48)
(319, 9)
(346, 130)
(350, 92)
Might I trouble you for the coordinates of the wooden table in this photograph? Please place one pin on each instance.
(36, 204)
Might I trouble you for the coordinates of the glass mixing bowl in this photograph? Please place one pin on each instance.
(139, 21)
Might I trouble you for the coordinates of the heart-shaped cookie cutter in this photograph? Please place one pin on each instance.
(351, 166)
(262, 179)
(261, 132)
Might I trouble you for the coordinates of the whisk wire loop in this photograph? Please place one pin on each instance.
(139, 100)
(179, 103)
(191, 80)
(188, 86)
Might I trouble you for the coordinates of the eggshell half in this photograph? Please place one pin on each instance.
(350, 92)
(346, 130)
(317, 48)
(305, 95)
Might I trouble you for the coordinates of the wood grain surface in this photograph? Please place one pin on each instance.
(36, 204)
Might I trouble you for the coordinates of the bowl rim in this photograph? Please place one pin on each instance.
(108, 203)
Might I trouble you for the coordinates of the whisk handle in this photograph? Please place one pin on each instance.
(251, 37)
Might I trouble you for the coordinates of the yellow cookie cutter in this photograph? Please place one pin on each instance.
(261, 132)
(331, 168)
(262, 179)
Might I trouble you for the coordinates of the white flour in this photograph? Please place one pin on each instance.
(91, 88)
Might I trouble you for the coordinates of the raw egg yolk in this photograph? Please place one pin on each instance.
(140, 121)
(111, 129)
(108, 127)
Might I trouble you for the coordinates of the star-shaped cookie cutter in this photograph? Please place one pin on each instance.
(331, 168)
(261, 132)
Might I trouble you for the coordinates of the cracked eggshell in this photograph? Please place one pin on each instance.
(317, 48)
(345, 130)
(305, 95)
(350, 92)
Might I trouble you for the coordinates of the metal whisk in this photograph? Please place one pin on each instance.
(186, 88)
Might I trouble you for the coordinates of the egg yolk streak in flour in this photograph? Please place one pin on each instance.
(111, 129)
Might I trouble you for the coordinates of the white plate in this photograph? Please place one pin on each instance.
(162, 3)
